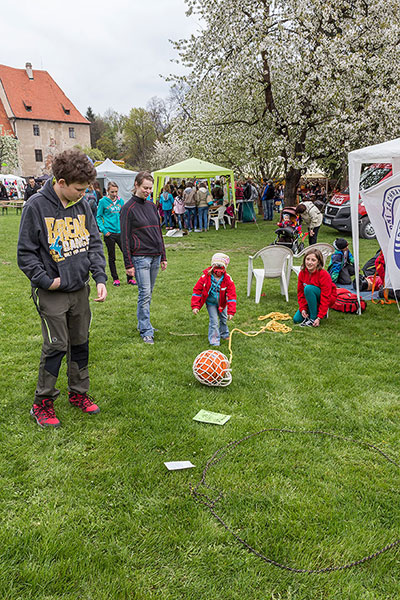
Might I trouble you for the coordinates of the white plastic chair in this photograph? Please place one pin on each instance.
(324, 247)
(277, 263)
(217, 218)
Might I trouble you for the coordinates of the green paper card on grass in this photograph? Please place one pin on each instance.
(205, 416)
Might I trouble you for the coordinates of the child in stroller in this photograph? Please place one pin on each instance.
(289, 231)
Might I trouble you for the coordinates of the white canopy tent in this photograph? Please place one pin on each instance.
(124, 178)
(14, 181)
(387, 152)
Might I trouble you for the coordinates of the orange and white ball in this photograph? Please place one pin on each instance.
(211, 367)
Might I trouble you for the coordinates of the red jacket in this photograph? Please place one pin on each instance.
(227, 295)
(323, 281)
(380, 266)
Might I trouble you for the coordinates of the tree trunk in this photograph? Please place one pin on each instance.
(292, 181)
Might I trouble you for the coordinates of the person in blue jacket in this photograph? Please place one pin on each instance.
(167, 203)
(341, 265)
(108, 220)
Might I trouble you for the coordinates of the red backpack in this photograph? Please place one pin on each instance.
(347, 302)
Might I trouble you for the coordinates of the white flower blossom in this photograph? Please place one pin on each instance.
(289, 82)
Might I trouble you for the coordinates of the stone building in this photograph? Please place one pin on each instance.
(35, 109)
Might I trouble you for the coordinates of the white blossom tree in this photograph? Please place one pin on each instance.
(168, 153)
(8, 153)
(296, 80)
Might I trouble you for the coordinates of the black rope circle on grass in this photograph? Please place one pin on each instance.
(210, 503)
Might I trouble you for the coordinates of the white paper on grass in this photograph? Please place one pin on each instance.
(176, 465)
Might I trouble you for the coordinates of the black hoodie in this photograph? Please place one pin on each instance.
(59, 242)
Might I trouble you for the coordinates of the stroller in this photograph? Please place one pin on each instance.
(289, 232)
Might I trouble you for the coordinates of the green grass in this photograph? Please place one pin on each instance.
(90, 512)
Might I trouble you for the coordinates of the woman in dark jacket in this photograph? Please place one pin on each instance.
(143, 248)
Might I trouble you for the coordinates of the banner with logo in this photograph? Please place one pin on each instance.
(382, 203)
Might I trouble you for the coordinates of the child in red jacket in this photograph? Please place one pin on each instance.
(315, 290)
(216, 290)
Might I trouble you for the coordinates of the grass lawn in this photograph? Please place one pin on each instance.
(90, 512)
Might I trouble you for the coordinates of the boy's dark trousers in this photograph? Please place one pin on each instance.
(346, 274)
(65, 319)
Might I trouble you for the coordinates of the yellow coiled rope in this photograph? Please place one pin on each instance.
(272, 325)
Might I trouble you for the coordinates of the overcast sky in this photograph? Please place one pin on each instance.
(102, 54)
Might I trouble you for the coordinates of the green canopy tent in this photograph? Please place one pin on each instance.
(192, 168)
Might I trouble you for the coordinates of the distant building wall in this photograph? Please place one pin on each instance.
(52, 138)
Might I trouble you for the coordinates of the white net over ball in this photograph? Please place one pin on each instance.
(211, 367)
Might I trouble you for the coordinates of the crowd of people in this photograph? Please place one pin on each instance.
(187, 205)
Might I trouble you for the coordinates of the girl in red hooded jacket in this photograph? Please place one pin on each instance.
(315, 290)
(216, 290)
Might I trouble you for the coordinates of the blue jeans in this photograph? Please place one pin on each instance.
(180, 220)
(268, 208)
(203, 217)
(217, 327)
(189, 214)
(146, 269)
(168, 218)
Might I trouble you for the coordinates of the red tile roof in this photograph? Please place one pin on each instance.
(42, 94)
(5, 126)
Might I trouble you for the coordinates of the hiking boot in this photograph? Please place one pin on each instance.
(307, 323)
(84, 402)
(148, 339)
(132, 282)
(43, 413)
(116, 282)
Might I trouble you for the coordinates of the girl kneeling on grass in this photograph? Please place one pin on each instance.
(216, 290)
(315, 290)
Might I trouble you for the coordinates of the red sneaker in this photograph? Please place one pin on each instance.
(84, 402)
(43, 413)
(132, 282)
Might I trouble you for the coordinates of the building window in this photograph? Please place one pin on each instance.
(28, 107)
(66, 110)
(36, 130)
(38, 156)
(72, 132)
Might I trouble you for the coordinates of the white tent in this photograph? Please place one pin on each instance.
(14, 181)
(388, 152)
(124, 178)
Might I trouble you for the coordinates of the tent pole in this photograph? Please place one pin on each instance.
(232, 177)
(354, 183)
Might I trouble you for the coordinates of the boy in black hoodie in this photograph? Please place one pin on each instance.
(58, 245)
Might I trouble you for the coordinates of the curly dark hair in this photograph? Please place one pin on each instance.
(74, 167)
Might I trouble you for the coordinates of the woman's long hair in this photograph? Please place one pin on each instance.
(318, 254)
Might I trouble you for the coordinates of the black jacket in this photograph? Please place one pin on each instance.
(141, 233)
(3, 192)
(59, 242)
(30, 191)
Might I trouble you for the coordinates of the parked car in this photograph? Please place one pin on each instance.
(337, 211)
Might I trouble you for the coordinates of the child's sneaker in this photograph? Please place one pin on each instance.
(307, 323)
(43, 413)
(132, 282)
(84, 402)
(116, 282)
